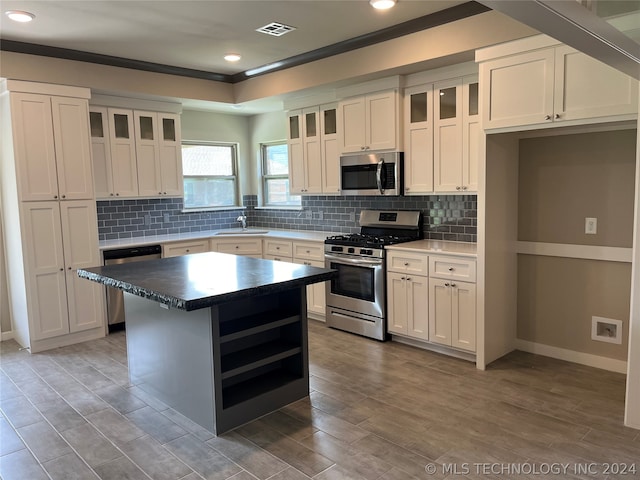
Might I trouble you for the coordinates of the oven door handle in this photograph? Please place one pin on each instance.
(359, 261)
(379, 176)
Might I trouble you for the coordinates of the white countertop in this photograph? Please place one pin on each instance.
(300, 235)
(463, 249)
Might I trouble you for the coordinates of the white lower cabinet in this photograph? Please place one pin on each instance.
(407, 294)
(177, 249)
(62, 238)
(432, 297)
(407, 305)
(452, 313)
(312, 254)
(251, 247)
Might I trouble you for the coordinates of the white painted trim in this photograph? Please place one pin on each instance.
(611, 364)
(588, 252)
(46, 89)
(440, 74)
(135, 103)
(515, 47)
(452, 352)
(395, 82)
(6, 335)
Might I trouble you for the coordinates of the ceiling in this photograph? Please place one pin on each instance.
(197, 34)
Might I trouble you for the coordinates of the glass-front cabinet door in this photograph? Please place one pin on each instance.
(418, 141)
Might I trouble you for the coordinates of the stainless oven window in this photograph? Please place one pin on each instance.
(354, 281)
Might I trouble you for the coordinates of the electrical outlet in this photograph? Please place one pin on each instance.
(320, 215)
(308, 214)
(352, 216)
(166, 218)
(147, 219)
(590, 226)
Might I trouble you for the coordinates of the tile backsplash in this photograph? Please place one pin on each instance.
(446, 217)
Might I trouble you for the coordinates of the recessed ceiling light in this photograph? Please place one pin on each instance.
(382, 4)
(232, 57)
(20, 16)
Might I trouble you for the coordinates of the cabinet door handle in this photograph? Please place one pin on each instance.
(547, 117)
(464, 187)
(453, 284)
(237, 246)
(408, 279)
(446, 284)
(55, 196)
(69, 268)
(64, 196)
(458, 188)
(117, 194)
(451, 269)
(402, 278)
(187, 250)
(557, 116)
(62, 269)
(111, 194)
(406, 264)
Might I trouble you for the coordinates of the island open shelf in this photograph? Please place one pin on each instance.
(222, 359)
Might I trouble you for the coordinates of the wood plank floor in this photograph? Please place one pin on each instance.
(376, 411)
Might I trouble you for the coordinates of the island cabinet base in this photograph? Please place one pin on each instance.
(225, 365)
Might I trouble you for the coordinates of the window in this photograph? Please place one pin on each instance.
(275, 168)
(209, 175)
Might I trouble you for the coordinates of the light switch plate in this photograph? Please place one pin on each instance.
(590, 226)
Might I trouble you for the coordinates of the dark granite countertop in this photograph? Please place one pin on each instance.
(200, 280)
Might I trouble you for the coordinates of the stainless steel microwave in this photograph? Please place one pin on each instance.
(371, 174)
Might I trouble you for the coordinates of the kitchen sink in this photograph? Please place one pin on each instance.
(241, 231)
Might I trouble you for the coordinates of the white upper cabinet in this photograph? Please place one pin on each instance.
(587, 88)
(369, 122)
(456, 135)
(418, 141)
(123, 153)
(314, 161)
(53, 154)
(312, 148)
(552, 85)
(330, 149)
(136, 153)
(101, 152)
(158, 154)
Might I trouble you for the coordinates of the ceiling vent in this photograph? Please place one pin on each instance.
(276, 29)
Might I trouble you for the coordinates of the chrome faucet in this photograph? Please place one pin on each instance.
(243, 220)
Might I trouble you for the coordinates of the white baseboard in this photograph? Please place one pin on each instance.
(6, 335)
(452, 352)
(605, 363)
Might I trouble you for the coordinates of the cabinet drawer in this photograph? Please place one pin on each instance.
(404, 262)
(452, 268)
(309, 251)
(276, 258)
(184, 248)
(277, 247)
(238, 246)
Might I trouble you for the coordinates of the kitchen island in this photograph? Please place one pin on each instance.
(220, 338)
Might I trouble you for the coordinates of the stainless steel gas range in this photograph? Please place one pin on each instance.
(356, 298)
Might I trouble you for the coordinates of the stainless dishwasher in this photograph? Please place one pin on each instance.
(115, 301)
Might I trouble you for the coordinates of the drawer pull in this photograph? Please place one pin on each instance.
(453, 284)
(451, 269)
(446, 284)
(406, 264)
